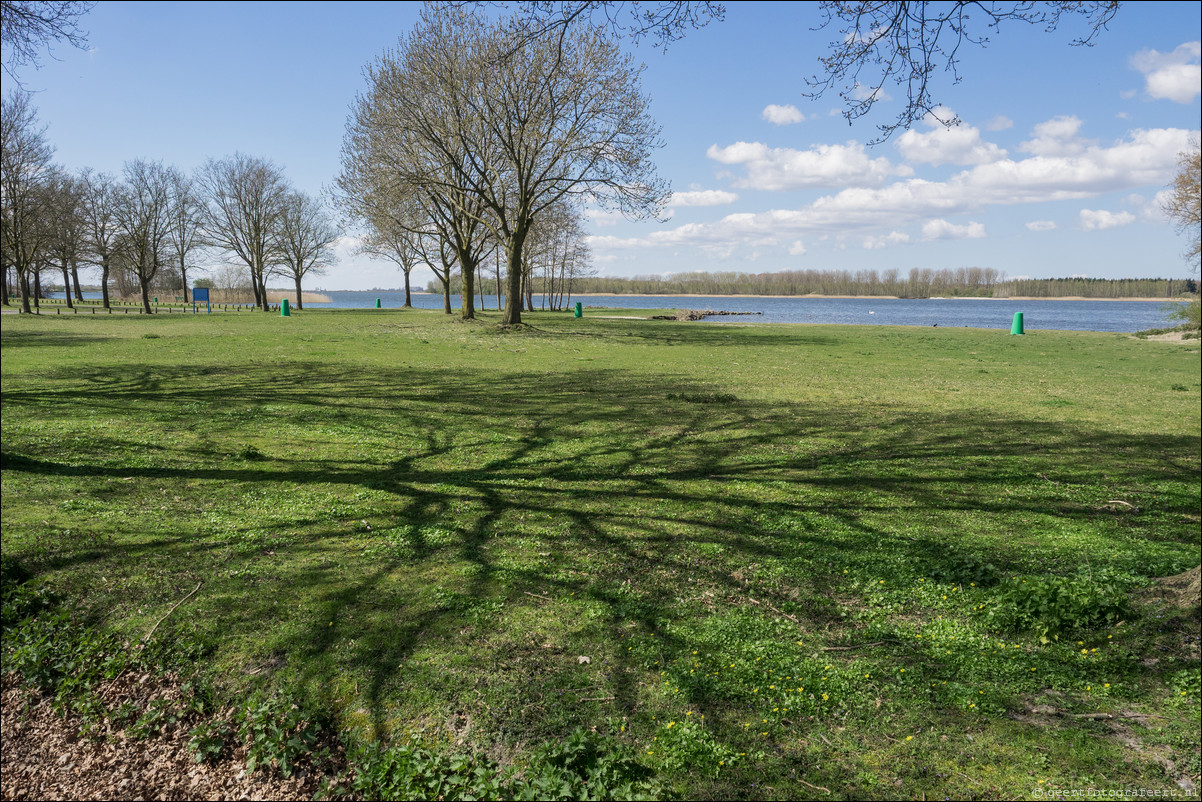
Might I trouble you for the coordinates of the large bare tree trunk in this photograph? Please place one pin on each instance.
(408, 296)
(75, 279)
(104, 280)
(469, 287)
(23, 282)
(299, 305)
(67, 283)
(145, 284)
(513, 290)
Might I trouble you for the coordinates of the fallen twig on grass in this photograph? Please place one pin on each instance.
(773, 609)
(537, 596)
(146, 637)
(815, 787)
(860, 646)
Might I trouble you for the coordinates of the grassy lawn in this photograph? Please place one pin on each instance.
(772, 561)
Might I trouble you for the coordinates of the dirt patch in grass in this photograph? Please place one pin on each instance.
(44, 757)
(1182, 592)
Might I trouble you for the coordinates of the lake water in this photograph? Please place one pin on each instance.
(1118, 316)
(981, 313)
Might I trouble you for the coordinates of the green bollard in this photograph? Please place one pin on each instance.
(377, 303)
(579, 310)
(1017, 326)
(284, 310)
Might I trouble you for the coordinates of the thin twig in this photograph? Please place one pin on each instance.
(970, 779)
(146, 638)
(537, 596)
(773, 609)
(861, 646)
(815, 787)
(1106, 716)
(599, 699)
(169, 612)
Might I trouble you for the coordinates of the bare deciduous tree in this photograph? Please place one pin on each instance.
(143, 211)
(496, 125)
(405, 148)
(25, 167)
(663, 22)
(906, 43)
(67, 231)
(1184, 204)
(97, 209)
(185, 232)
(559, 121)
(304, 239)
(26, 26)
(398, 245)
(379, 202)
(244, 198)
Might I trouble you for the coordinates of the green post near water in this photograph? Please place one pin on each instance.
(284, 310)
(377, 303)
(1017, 326)
(579, 310)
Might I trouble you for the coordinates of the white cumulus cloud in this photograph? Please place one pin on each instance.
(1056, 137)
(892, 238)
(1144, 158)
(942, 229)
(1100, 219)
(820, 166)
(1172, 76)
(703, 197)
(961, 144)
(797, 248)
(1041, 225)
(782, 115)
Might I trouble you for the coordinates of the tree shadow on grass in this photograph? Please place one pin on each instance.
(594, 506)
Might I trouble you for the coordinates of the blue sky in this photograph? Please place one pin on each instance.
(1054, 172)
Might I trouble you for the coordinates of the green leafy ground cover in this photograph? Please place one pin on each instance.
(762, 561)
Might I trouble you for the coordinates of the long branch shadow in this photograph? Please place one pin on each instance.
(621, 478)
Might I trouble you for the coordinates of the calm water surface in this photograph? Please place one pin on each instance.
(981, 313)
(1119, 316)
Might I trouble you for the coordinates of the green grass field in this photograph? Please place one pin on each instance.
(770, 561)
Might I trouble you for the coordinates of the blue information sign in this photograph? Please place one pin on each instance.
(200, 294)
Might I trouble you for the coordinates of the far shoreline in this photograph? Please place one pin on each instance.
(839, 297)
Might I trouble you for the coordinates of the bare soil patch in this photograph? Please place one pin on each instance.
(42, 756)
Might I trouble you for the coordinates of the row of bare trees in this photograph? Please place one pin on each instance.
(149, 226)
(479, 140)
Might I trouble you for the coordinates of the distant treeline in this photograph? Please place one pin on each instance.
(979, 282)
(1098, 288)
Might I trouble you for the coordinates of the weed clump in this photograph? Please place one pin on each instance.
(1050, 606)
(584, 765)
